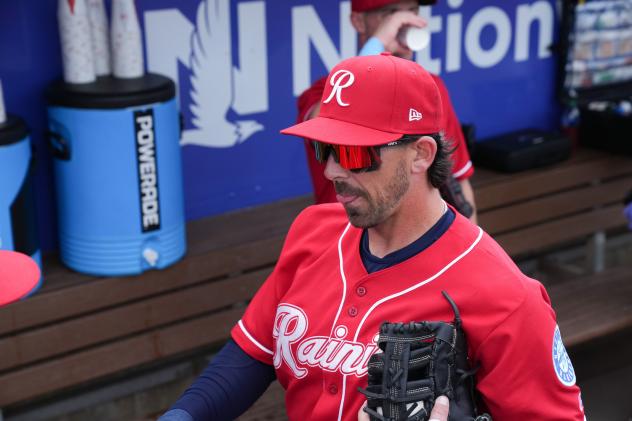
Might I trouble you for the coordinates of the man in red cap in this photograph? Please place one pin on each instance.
(386, 252)
(378, 23)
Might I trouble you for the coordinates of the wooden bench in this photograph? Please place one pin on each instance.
(536, 210)
(575, 203)
(81, 331)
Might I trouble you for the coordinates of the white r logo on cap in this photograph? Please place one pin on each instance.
(339, 80)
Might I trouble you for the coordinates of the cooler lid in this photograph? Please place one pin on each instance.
(111, 92)
(19, 274)
(13, 130)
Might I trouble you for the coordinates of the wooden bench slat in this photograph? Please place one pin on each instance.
(57, 276)
(118, 322)
(79, 368)
(520, 186)
(540, 237)
(484, 176)
(105, 292)
(593, 306)
(226, 230)
(523, 214)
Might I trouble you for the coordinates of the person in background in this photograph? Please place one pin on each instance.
(378, 23)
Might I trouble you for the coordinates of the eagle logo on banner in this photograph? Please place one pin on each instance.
(212, 81)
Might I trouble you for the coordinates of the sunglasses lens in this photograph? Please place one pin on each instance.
(354, 158)
(359, 158)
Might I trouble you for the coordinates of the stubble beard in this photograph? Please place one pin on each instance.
(376, 209)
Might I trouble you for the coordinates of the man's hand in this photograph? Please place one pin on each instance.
(391, 25)
(439, 411)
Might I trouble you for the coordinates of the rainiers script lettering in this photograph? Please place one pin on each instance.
(330, 353)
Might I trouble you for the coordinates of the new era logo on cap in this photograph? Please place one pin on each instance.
(374, 100)
(414, 115)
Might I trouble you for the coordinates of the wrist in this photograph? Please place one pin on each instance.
(372, 47)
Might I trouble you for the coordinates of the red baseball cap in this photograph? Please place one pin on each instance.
(19, 274)
(365, 5)
(374, 100)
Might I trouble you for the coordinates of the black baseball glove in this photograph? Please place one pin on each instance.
(418, 362)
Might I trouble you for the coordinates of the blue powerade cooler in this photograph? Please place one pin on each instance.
(118, 174)
(18, 228)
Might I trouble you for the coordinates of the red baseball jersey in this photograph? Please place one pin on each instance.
(323, 189)
(316, 319)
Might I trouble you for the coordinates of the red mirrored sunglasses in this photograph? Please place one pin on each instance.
(355, 158)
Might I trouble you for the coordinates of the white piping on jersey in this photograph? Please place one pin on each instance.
(344, 281)
(463, 170)
(398, 294)
(342, 302)
(422, 283)
(252, 339)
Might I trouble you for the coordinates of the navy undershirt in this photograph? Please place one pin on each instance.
(373, 263)
(234, 380)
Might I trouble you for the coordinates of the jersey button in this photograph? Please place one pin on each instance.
(333, 389)
(361, 291)
(352, 311)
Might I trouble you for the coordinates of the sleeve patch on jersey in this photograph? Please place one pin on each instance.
(561, 361)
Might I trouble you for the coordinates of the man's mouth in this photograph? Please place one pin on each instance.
(345, 198)
(345, 194)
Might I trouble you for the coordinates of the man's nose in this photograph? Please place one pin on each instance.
(333, 170)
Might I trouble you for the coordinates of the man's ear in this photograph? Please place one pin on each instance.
(358, 23)
(425, 151)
